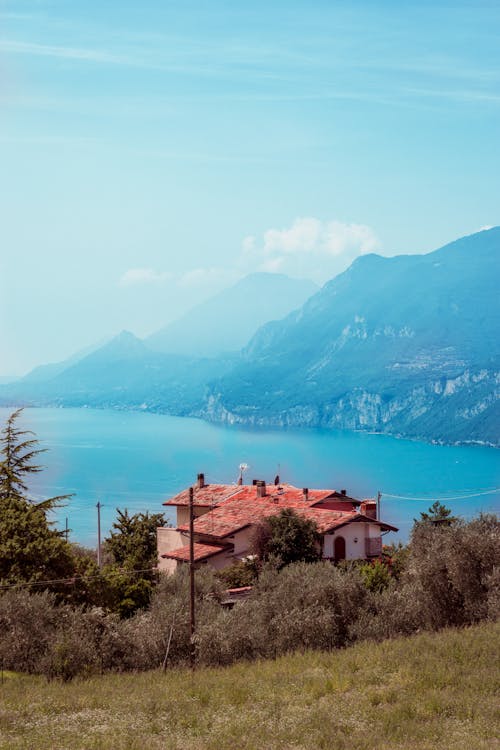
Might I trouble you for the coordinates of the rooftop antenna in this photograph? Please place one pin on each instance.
(277, 477)
(243, 468)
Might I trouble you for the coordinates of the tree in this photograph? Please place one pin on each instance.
(133, 541)
(19, 455)
(132, 546)
(30, 550)
(287, 538)
(437, 514)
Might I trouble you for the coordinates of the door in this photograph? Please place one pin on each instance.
(339, 548)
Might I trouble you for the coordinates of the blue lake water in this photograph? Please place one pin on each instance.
(135, 460)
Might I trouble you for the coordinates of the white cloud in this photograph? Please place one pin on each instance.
(309, 248)
(135, 276)
(209, 277)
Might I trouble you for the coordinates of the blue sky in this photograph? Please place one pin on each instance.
(151, 153)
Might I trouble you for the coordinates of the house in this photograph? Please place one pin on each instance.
(225, 516)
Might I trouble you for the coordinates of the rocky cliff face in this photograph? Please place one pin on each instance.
(433, 410)
(405, 345)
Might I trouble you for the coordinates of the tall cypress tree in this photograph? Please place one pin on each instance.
(19, 452)
(30, 550)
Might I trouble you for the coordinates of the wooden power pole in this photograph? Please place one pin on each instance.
(99, 561)
(192, 622)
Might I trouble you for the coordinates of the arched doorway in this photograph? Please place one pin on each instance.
(339, 548)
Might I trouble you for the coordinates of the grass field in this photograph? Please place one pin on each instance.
(430, 691)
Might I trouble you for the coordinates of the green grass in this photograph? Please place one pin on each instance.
(430, 691)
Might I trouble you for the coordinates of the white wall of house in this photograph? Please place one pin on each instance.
(167, 540)
(220, 561)
(183, 513)
(355, 535)
(242, 541)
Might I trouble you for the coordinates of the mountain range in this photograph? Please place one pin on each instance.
(168, 371)
(406, 345)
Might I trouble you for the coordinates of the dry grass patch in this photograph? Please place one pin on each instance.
(429, 691)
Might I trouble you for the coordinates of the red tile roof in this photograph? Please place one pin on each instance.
(209, 495)
(230, 517)
(201, 551)
(214, 494)
(234, 507)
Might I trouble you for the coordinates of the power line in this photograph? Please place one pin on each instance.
(73, 579)
(433, 497)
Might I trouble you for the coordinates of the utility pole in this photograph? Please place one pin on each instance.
(99, 562)
(379, 495)
(191, 578)
(66, 529)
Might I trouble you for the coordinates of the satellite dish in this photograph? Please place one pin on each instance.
(243, 468)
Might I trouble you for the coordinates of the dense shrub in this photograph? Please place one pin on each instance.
(452, 570)
(300, 607)
(451, 577)
(27, 626)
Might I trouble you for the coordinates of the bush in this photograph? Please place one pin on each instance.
(27, 624)
(241, 573)
(452, 569)
(376, 575)
(300, 607)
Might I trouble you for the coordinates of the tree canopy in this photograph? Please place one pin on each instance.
(437, 514)
(286, 538)
(30, 549)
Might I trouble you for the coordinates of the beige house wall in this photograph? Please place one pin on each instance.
(183, 513)
(242, 541)
(355, 535)
(167, 540)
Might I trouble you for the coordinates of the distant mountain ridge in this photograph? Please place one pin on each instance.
(130, 373)
(226, 322)
(406, 345)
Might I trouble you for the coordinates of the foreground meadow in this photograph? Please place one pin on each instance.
(429, 691)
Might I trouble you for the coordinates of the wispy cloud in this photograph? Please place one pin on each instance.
(69, 53)
(309, 247)
(211, 277)
(140, 276)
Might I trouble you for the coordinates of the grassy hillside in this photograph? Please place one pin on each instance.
(428, 691)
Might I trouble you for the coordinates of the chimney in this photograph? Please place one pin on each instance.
(369, 508)
(305, 493)
(343, 492)
(201, 481)
(261, 488)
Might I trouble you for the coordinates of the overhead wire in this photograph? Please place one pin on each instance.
(444, 498)
(71, 580)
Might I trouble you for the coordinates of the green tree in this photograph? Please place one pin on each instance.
(437, 514)
(132, 547)
(376, 575)
(287, 538)
(30, 549)
(19, 453)
(132, 542)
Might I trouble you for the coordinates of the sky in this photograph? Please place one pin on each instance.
(153, 153)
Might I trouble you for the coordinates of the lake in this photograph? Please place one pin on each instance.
(136, 460)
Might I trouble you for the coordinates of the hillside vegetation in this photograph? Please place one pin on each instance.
(427, 691)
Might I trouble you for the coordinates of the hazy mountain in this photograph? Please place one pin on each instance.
(125, 374)
(4, 379)
(407, 345)
(226, 322)
(43, 373)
